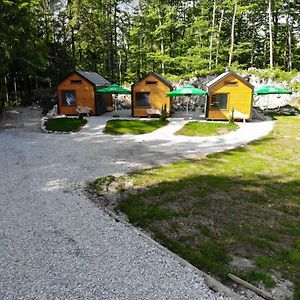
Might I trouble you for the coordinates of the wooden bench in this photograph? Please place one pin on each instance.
(83, 110)
(237, 115)
(153, 112)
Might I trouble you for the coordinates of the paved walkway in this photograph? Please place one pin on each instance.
(56, 244)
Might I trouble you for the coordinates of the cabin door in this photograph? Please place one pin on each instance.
(101, 106)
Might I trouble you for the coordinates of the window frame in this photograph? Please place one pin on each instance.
(76, 81)
(62, 98)
(151, 82)
(218, 108)
(231, 83)
(142, 106)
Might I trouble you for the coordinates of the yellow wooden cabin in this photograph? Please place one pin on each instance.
(228, 92)
(150, 94)
(78, 89)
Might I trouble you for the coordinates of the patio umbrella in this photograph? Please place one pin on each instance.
(113, 89)
(271, 90)
(187, 90)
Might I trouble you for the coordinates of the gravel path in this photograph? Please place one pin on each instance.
(56, 244)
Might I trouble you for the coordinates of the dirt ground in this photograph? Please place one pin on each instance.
(27, 118)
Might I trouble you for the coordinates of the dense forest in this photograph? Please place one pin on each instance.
(42, 40)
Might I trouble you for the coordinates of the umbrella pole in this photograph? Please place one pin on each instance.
(187, 109)
(115, 115)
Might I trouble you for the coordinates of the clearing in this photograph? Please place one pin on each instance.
(241, 204)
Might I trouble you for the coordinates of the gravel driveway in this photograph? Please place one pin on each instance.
(56, 244)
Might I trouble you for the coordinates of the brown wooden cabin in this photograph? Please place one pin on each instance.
(78, 89)
(226, 92)
(150, 93)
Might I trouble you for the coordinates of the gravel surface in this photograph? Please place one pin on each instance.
(56, 244)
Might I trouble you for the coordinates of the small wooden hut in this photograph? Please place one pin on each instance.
(228, 92)
(148, 95)
(78, 89)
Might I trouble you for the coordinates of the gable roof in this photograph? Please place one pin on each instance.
(94, 78)
(226, 74)
(159, 77)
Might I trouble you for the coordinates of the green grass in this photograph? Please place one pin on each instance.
(244, 202)
(132, 126)
(206, 128)
(65, 124)
(255, 276)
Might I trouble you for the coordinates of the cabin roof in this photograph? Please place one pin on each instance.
(226, 74)
(94, 78)
(159, 77)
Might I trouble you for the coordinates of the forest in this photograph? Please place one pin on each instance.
(41, 41)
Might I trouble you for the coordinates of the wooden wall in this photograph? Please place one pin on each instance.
(158, 97)
(85, 94)
(239, 98)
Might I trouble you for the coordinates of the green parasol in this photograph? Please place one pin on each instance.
(271, 90)
(113, 89)
(187, 90)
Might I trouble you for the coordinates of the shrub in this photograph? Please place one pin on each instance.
(163, 116)
(45, 97)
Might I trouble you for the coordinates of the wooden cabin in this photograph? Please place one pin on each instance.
(226, 92)
(78, 89)
(150, 94)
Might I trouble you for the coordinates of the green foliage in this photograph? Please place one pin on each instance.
(255, 276)
(276, 74)
(45, 97)
(13, 101)
(164, 113)
(42, 41)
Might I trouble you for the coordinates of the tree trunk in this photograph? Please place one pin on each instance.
(218, 39)
(265, 55)
(253, 45)
(212, 33)
(116, 65)
(270, 34)
(73, 43)
(6, 88)
(15, 87)
(120, 67)
(232, 34)
(289, 40)
(162, 45)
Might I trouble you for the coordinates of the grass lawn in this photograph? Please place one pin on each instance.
(65, 124)
(206, 128)
(133, 126)
(243, 203)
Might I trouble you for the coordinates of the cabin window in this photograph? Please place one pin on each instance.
(68, 98)
(230, 83)
(142, 99)
(151, 82)
(76, 81)
(219, 101)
